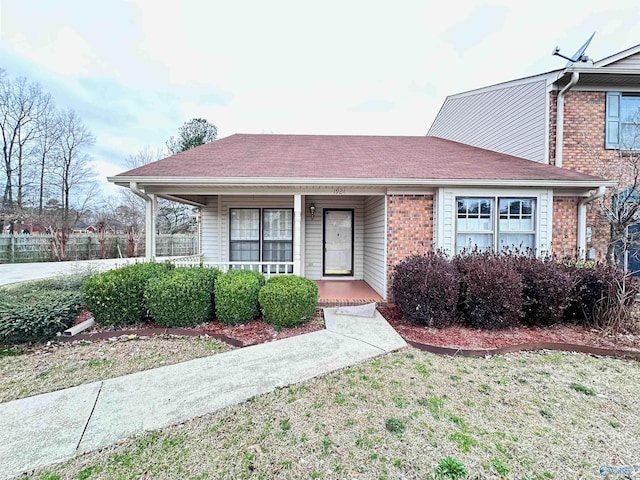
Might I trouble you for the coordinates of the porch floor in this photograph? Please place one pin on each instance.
(346, 292)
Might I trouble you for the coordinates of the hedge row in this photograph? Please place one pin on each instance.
(184, 297)
(37, 311)
(487, 290)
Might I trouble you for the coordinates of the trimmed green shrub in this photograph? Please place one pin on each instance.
(183, 297)
(236, 295)
(116, 297)
(425, 289)
(490, 290)
(36, 317)
(288, 300)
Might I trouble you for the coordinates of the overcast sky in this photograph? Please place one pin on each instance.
(136, 70)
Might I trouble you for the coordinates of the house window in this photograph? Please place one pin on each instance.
(480, 226)
(623, 121)
(257, 235)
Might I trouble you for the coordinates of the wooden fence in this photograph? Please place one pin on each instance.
(85, 246)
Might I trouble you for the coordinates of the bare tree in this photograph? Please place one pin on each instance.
(21, 104)
(72, 166)
(47, 142)
(619, 208)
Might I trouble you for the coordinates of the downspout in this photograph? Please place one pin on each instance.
(150, 221)
(575, 76)
(582, 220)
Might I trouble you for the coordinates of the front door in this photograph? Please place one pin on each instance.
(338, 242)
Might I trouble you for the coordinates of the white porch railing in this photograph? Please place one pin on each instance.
(269, 269)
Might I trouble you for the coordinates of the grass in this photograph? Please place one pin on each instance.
(25, 372)
(444, 429)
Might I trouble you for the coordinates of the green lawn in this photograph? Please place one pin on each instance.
(529, 415)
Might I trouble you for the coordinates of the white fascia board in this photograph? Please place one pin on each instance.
(316, 182)
(605, 70)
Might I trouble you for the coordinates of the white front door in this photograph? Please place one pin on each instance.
(338, 242)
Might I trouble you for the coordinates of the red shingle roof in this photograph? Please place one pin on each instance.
(349, 157)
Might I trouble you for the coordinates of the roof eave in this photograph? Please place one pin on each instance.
(282, 181)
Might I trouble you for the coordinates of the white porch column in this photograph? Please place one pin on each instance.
(150, 227)
(297, 234)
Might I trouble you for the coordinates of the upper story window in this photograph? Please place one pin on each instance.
(479, 225)
(623, 121)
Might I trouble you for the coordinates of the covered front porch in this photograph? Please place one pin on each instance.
(335, 237)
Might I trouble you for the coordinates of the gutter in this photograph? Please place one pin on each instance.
(582, 220)
(208, 182)
(134, 188)
(575, 76)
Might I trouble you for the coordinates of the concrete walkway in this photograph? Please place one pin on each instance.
(57, 426)
(22, 272)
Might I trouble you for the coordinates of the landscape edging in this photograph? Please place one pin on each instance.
(561, 347)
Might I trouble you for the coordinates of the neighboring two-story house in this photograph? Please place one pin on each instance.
(585, 117)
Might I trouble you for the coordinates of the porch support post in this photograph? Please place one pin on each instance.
(297, 234)
(150, 227)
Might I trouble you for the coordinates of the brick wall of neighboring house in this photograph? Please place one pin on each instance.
(583, 150)
(410, 229)
(565, 226)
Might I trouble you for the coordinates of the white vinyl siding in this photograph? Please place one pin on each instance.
(209, 230)
(510, 120)
(631, 62)
(313, 233)
(375, 234)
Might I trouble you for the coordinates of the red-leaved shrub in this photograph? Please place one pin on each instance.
(425, 289)
(546, 289)
(490, 290)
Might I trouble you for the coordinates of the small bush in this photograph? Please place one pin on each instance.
(36, 317)
(546, 289)
(603, 297)
(425, 289)
(116, 297)
(183, 297)
(490, 290)
(236, 294)
(288, 300)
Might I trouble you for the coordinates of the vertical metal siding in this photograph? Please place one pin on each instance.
(374, 243)
(507, 120)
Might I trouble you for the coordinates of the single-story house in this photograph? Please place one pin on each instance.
(332, 207)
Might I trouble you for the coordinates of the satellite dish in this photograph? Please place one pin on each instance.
(579, 56)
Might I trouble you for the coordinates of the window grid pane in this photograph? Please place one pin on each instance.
(517, 223)
(244, 224)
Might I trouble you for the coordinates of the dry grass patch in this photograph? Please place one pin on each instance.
(406, 415)
(61, 365)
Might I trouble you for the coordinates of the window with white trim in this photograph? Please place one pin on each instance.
(479, 225)
(257, 234)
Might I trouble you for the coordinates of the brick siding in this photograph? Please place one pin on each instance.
(565, 226)
(583, 150)
(410, 229)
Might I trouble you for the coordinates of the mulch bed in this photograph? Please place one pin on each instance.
(447, 340)
(244, 335)
(463, 338)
